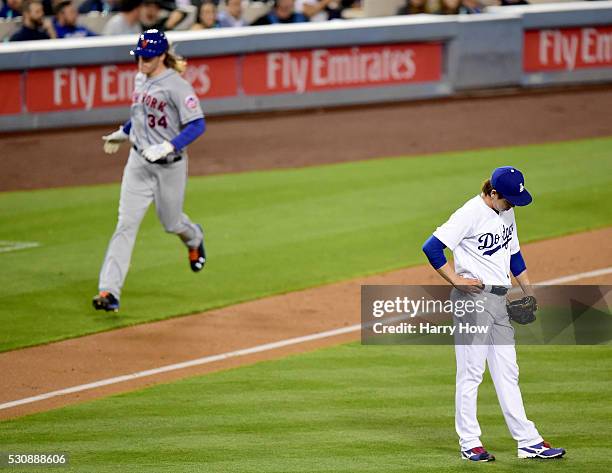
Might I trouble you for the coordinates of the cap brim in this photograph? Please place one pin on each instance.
(524, 198)
(144, 53)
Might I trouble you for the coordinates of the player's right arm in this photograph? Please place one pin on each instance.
(113, 141)
(450, 234)
(434, 250)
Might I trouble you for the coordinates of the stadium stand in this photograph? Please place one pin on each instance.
(95, 21)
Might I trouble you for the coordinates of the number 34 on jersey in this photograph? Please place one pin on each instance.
(153, 104)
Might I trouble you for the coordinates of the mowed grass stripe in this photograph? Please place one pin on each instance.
(271, 232)
(342, 409)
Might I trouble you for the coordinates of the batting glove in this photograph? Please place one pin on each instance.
(157, 152)
(113, 141)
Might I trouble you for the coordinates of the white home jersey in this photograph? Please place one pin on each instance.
(481, 241)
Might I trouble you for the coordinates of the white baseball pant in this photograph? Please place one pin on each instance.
(497, 349)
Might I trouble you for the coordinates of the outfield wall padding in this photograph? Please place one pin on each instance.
(73, 82)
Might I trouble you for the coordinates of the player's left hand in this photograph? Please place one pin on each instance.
(157, 152)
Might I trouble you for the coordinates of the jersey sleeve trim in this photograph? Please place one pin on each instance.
(434, 250)
(189, 134)
(517, 264)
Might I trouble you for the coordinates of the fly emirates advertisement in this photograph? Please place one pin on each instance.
(269, 73)
(567, 49)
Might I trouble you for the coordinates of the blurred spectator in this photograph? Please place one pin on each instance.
(48, 7)
(449, 7)
(506, 3)
(127, 21)
(160, 15)
(35, 26)
(103, 6)
(199, 3)
(470, 7)
(412, 7)
(232, 15)
(207, 17)
(65, 22)
(11, 9)
(319, 10)
(283, 11)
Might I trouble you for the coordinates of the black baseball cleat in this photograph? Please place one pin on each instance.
(197, 256)
(106, 301)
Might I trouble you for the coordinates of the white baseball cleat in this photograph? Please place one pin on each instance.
(541, 450)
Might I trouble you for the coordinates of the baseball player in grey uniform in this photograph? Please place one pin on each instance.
(165, 117)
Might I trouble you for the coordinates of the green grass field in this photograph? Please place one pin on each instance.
(348, 409)
(271, 232)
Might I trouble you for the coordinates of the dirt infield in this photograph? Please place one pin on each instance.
(61, 158)
(33, 371)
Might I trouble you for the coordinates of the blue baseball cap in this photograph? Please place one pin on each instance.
(510, 183)
(151, 43)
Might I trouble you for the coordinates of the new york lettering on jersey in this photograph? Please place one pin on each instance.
(152, 104)
(150, 101)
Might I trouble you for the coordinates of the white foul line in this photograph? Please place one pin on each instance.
(6, 246)
(185, 364)
(576, 277)
(243, 352)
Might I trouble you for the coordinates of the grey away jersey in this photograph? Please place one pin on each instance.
(161, 106)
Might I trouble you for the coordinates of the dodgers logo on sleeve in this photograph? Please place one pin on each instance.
(191, 102)
(491, 243)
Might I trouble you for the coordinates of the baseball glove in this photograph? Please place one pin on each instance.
(522, 311)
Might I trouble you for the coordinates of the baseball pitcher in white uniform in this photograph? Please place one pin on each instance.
(483, 237)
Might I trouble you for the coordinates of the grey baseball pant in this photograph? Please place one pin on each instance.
(143, 183)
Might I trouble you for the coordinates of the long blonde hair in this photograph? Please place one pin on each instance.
(174, 61)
